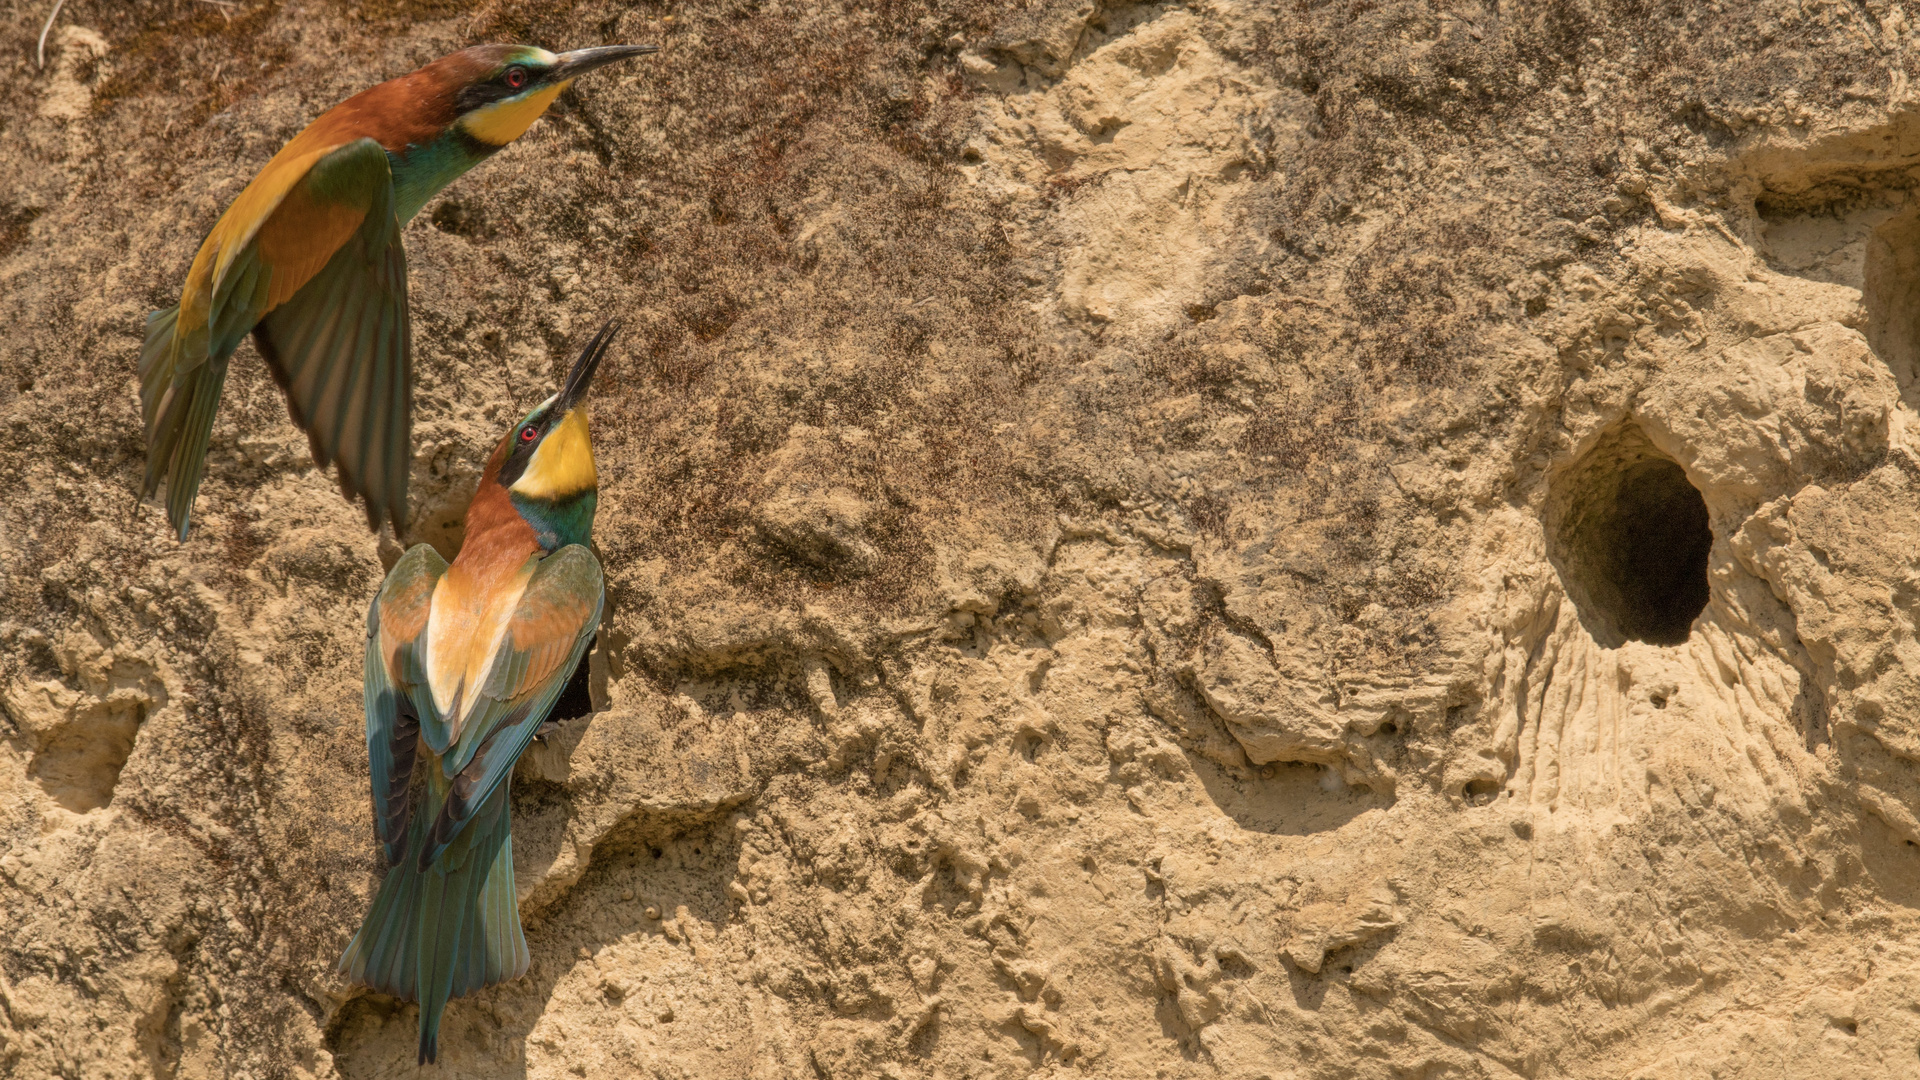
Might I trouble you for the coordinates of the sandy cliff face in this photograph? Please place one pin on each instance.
(1212, 539)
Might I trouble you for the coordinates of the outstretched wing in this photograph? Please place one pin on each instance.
(285, 226)
(395, 673)
(551, 629)
(340, 341)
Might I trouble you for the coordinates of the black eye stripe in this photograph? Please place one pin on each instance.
(500, 86)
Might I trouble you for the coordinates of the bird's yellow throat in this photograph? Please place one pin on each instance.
(504, 121)
(562, 465)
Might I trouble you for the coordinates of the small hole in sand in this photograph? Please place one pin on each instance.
(1629, 535)
(1659, 701)
(1028, 744)
(79, 762)
(1480, 792)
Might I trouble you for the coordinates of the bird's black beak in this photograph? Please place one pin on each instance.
(583, 368)
(574, 64)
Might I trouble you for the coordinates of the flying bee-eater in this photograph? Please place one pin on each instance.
(308, 259)
(464, 662)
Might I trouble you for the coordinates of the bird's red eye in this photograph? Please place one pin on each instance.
(529, 433)
(516, 77)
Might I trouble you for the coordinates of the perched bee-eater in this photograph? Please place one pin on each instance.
(464, 662)
(308, 259)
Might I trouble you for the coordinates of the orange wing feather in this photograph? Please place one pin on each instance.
(241, 223)
(402, 616)
(300, 237)
(547, 630)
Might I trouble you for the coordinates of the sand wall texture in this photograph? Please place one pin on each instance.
(1289, 540)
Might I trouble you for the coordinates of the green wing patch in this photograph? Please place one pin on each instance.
(342, 345)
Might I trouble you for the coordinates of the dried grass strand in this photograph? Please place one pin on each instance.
(48, 29)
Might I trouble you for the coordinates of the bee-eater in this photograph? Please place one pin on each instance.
(308, 259)
(464, 662)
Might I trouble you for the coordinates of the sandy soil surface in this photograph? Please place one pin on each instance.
(1288, 540)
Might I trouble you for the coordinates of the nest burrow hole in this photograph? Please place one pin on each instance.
(1629, 535)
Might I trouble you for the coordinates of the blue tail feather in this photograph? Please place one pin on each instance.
(448, 930)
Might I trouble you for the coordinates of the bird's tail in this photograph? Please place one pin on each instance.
(448, 930)
(178, 407)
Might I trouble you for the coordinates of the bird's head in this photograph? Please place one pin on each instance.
(546, 461)
(500, 90)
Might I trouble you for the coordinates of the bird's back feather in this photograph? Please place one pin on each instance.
(553, 622)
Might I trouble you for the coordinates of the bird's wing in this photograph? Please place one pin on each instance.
(275, 236)
(396, 678)
(231, 281)
(336, 331)
(551, 628)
